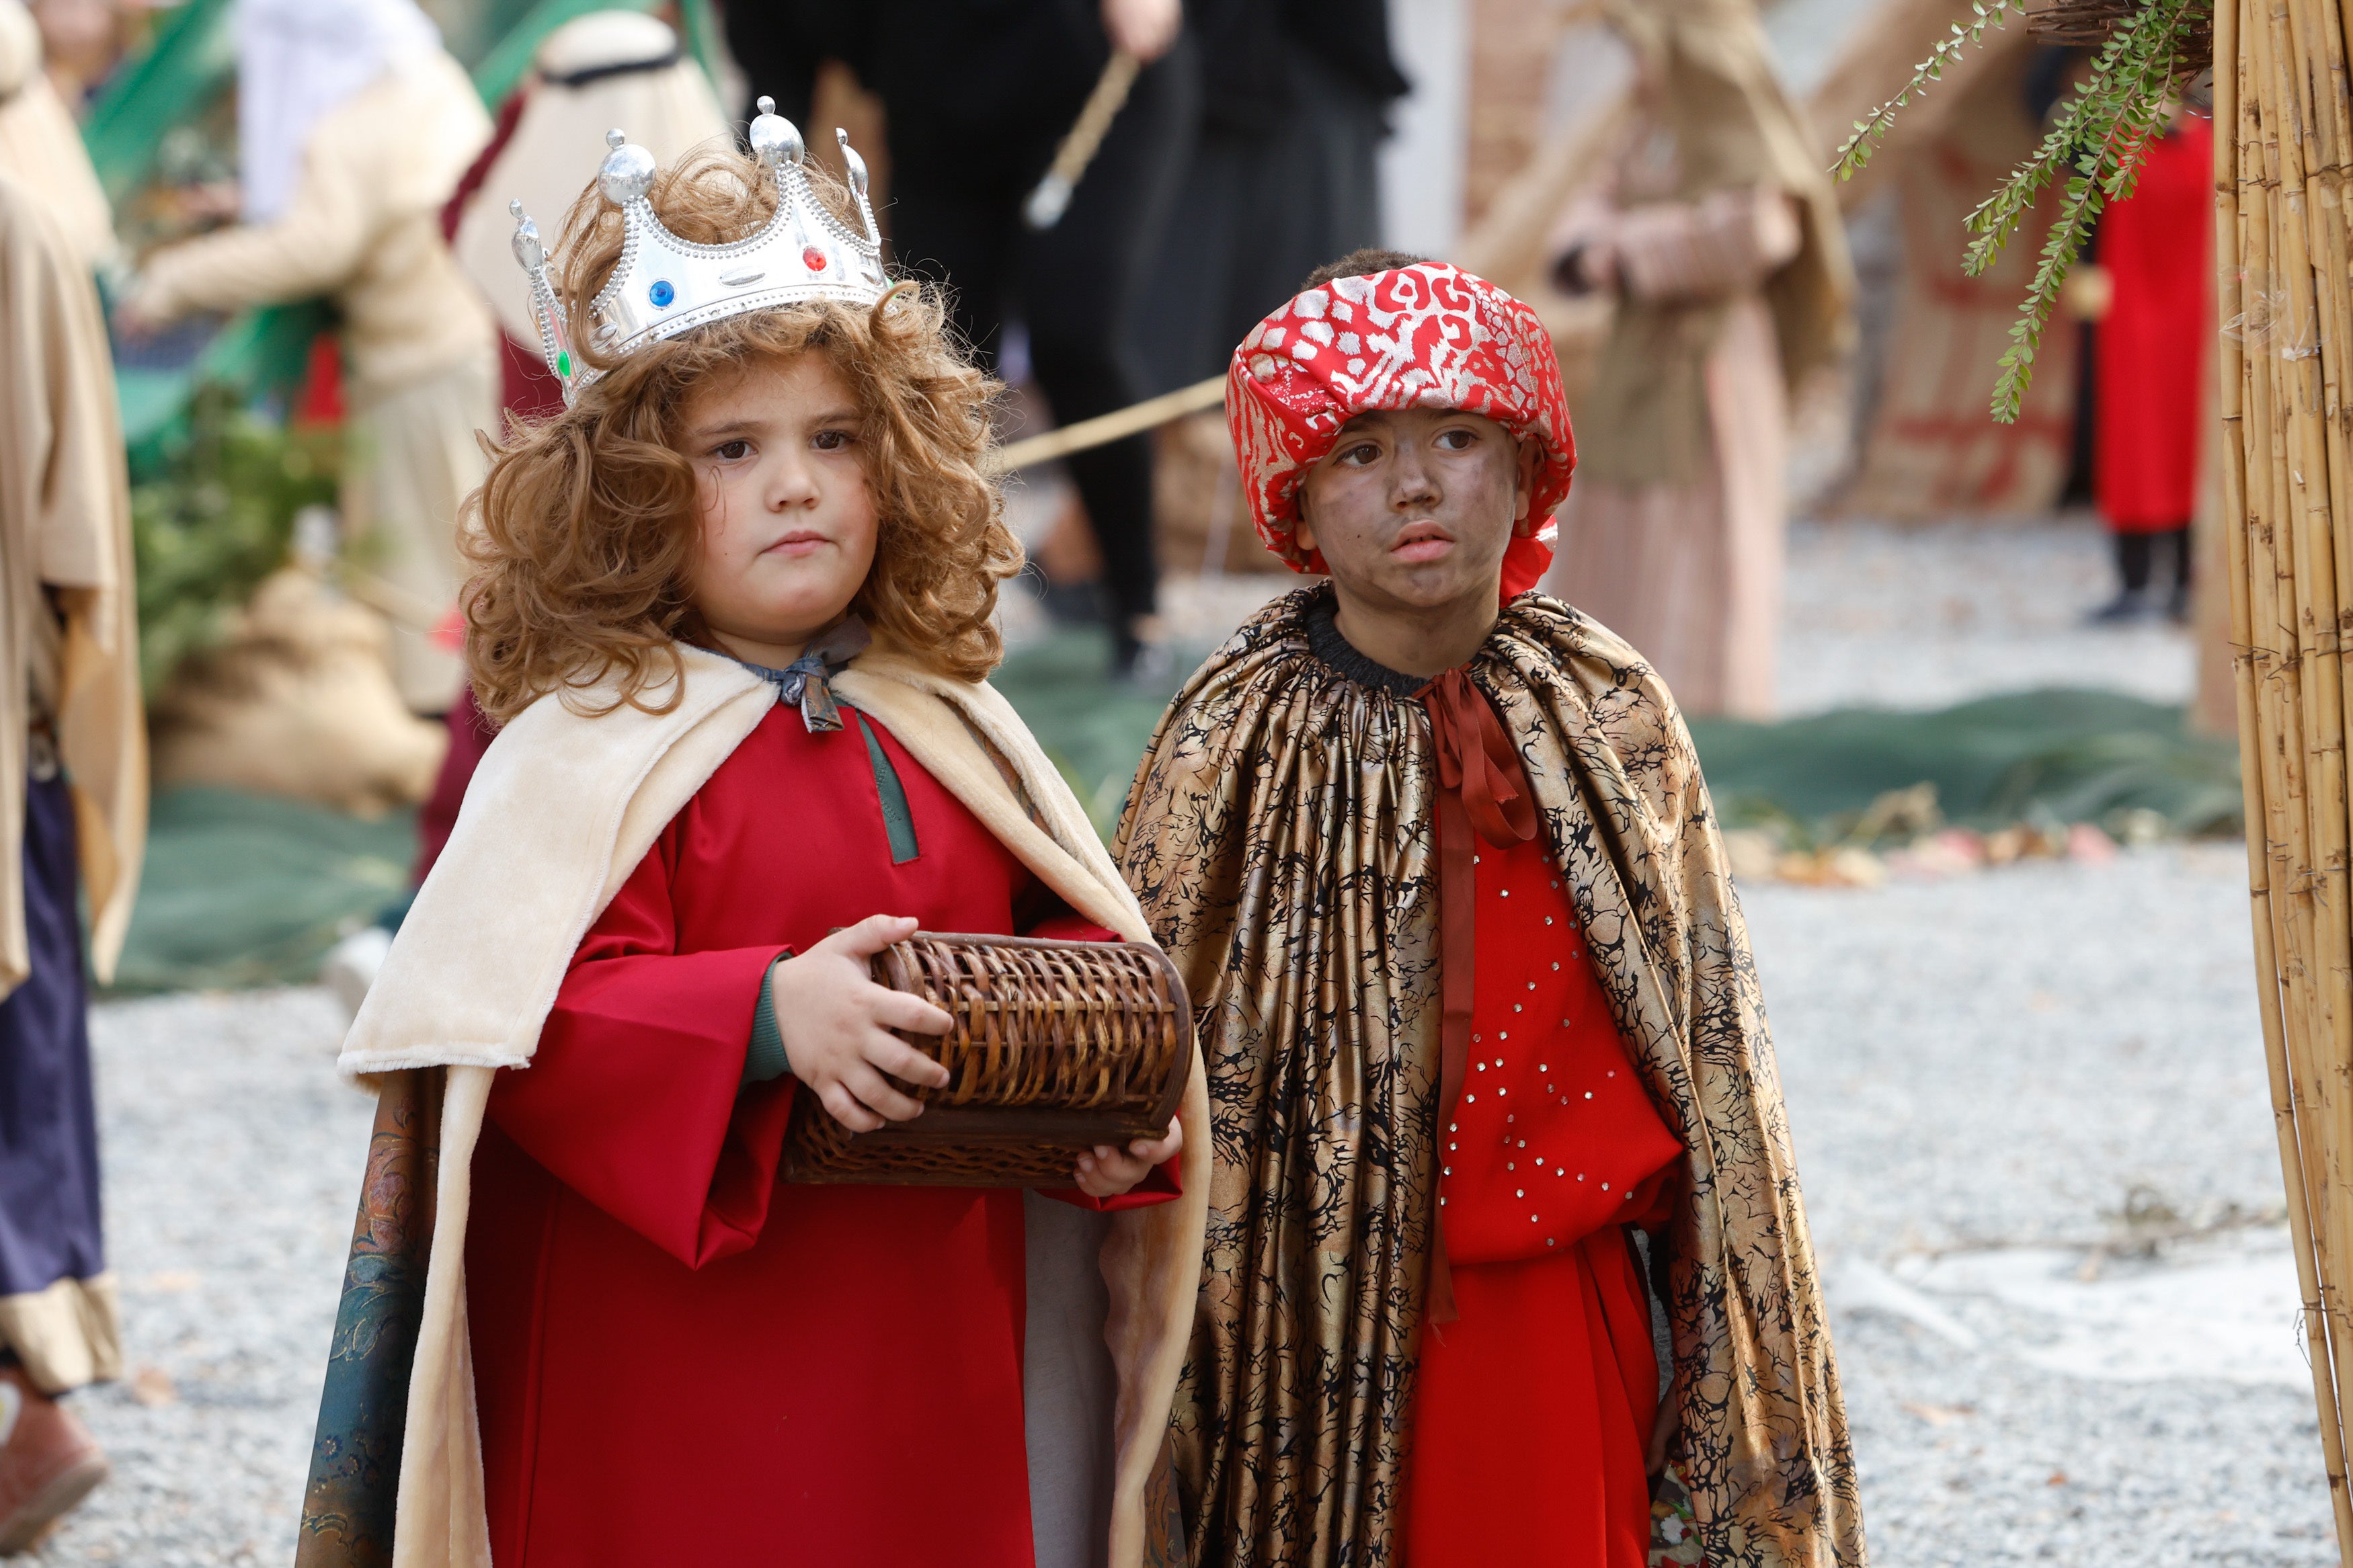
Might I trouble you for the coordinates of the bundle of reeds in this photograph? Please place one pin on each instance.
(2284, 133)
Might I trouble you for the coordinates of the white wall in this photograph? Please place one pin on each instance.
(1424, 161)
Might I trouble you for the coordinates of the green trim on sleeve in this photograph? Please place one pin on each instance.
(897, 820)
(765, 1061)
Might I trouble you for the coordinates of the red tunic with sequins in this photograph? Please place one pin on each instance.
(1533, 1410)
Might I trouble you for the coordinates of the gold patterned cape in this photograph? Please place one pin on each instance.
(1279, 836)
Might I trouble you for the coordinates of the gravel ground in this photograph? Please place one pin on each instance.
(2064, 1057)
(1926, 617)
(2016, 1098)
(233, 1157)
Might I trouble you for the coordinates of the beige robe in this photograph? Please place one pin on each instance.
(1690, 570)
(418, 342)
(561, 812)
(65, 540)
(41, 146)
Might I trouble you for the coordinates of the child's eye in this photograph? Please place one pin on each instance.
(732, 451)
(1456, 440)
(1366, 452)
(833, 440)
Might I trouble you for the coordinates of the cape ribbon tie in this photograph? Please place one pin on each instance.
(1483, 787)
(803, 682)
(1476, 759)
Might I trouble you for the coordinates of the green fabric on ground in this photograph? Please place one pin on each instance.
(1094, 729)
(2057, 755)
(2051, 756)
(241, 889)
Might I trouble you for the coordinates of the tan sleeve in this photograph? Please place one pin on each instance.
(313, 248)
(80, 542)
(1727, 243)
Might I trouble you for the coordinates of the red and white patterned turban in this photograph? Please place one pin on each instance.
(1425, 336)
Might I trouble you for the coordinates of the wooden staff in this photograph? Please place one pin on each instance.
(1051, 199)
(1104, 428)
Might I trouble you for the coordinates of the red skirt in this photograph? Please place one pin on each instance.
(1533, 1414)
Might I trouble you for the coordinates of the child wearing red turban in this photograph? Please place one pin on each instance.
(1434, 855)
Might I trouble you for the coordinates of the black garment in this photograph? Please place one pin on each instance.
(979, 94)
(49, 1226)
(1257, 212)
(2136, 557)
(957, 216)
(1282, 177)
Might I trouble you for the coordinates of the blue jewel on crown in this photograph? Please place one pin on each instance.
(663, 285)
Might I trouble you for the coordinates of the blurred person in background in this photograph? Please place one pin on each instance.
(1281, 175)
(2154, 278)
(41, 146)
(608, 68)
(354, 128)
(605, 69)
(73, 824)
(978, 99)
(1718, 234)
(83, 42)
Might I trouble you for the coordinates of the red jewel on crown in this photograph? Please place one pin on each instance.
(813, 258)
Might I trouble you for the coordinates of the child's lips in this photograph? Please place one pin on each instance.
(797, 542)
(1421, 541)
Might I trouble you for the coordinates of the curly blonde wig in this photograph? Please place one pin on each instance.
(585, 531)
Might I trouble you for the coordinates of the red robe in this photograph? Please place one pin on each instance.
(1533, 1410)
(2158, 244)
(679, 1360)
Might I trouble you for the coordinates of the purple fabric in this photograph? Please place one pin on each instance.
(48, 1123)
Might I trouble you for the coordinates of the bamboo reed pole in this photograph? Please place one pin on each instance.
(2303, 583)
(2298, 372)
(2271, 548)
(2307, 66)
(2284, 153)
(2230, 395)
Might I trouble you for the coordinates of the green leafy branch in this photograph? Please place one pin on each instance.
(1869, 132)
(2096, 144)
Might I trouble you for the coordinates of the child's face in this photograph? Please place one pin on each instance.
(789, 520)
(1413, 508)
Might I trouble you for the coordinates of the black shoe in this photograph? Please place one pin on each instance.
(2130, 604)
(1138, 663)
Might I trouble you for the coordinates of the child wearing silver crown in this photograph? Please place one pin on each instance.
(732, 608)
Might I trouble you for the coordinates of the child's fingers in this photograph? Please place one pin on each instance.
(1092, 1180)
(1159, 1151)
(898, 1010)
(904, 1061)
(871, 935)
(875, 1093)
(843, 1106)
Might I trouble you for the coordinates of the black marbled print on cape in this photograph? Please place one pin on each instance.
(1279, 837)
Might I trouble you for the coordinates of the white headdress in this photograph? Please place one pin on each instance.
(609, 68)
(297, 59)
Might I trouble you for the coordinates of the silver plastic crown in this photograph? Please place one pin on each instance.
(663, 285)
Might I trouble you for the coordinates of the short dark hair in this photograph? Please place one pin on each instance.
(1359, 263)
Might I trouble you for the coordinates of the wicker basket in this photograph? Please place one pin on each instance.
(2088, 23)
(1057, 1047)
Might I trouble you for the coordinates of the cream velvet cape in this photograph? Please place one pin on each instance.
(563, 809)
